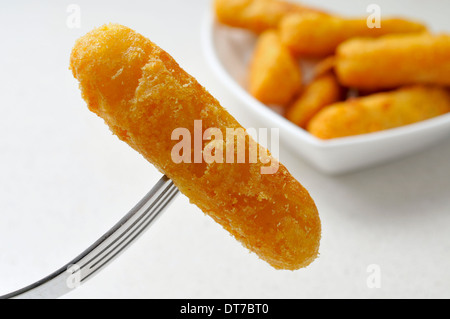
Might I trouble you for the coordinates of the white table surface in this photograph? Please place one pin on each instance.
(65, 179)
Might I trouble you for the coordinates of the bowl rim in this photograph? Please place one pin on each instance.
(208, 27)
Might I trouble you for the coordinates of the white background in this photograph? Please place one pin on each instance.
(65, 180)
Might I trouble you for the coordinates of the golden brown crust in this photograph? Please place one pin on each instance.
(380, 111)
(256, 15)
(144, 95)
(394, 60)
(321, 92)
(275, 75)
(318, 35)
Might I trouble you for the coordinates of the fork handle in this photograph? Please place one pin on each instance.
(106, 249)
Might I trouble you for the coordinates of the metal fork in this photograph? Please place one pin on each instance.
(106, 249)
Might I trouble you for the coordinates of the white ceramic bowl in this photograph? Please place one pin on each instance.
(228, 51)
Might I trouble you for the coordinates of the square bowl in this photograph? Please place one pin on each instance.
(228, 51)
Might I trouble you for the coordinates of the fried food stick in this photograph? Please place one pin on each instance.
(255, 15)
(144, 95)
(380, 111)
(394, 61)
(316, 35)
(275, 75)
(321, 92)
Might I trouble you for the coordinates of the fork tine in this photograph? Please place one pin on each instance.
(130, 234)
(106, 249)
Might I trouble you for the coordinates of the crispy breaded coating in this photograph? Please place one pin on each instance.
(316, 35)
(275, 75)
(321, 92)
(380, 111)
(256, 15)
(394, 61)
(144, 95)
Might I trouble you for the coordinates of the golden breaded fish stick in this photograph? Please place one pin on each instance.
(321, 92)
(319, 35)
(275, 75)
(380, 111)
(394, 61)
(144, 96)
(255, 15)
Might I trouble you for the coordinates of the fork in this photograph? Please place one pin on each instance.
(104, 250)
